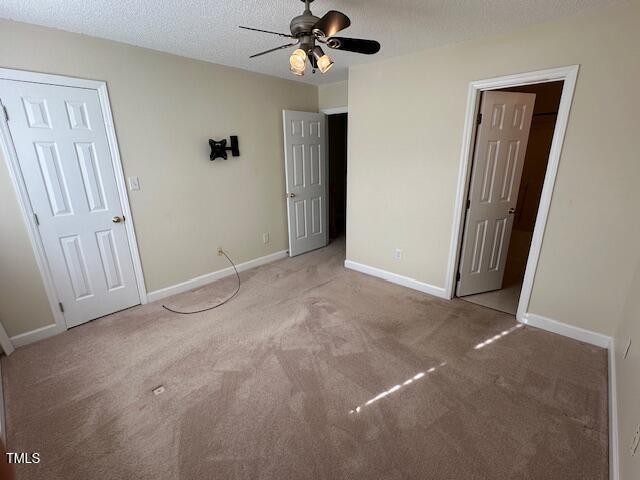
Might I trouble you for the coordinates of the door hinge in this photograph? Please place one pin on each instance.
(479, 119)
(458, 277)
(61, 307)
(468, 203)
(36, 219)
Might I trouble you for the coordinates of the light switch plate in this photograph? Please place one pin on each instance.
(134, 183)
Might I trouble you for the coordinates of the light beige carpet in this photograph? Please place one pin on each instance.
(311, 372)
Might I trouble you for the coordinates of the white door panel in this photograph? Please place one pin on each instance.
(501, 144)
(306, 176)
(65, 161)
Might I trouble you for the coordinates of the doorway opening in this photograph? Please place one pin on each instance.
(512, 147)
(337, 125)
(315, 161)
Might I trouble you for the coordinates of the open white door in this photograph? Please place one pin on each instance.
(501, 144)
(305, 157)
(62, 148)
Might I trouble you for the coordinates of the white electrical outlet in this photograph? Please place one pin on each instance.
(265, 238)
(635, 442)
(397, 254)
(134, 183)
(626, 350)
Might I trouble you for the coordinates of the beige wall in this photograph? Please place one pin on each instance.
(405, 128)
(23, 302)
(165, 109)
(627, 379)
(333, 95)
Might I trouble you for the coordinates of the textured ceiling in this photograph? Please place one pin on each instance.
(207, 29)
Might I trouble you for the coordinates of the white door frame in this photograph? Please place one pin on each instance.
(334, 110)
(13, 165)
(567, 74)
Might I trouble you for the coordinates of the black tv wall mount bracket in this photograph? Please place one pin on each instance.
(219, 148)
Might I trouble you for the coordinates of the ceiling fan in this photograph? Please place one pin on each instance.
(307, 30)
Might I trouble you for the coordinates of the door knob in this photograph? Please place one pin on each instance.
(290, 195)
(117, 219)
(512, 211)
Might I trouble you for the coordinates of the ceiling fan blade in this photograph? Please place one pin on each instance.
(332, 23)
(274, 49)
(357, 45)
(267, 31)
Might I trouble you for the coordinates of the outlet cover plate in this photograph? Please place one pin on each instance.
(635, 442)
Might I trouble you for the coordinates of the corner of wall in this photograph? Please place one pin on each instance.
(332, 95)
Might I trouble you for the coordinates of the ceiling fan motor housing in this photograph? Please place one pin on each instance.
(302, 24)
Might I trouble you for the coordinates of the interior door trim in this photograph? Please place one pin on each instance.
(15, 174)
(334, 110)
(569, 75)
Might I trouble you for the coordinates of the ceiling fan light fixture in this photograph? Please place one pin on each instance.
(297, 72)
(322, 59)
(298, 61)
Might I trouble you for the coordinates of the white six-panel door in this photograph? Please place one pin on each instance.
(305, 153)
(61, 142)
(501, 144)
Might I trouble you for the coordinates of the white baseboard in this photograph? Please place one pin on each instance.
(614, 459)
(35, 335)
(397, 279)
(577, 333)
(213, 276)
